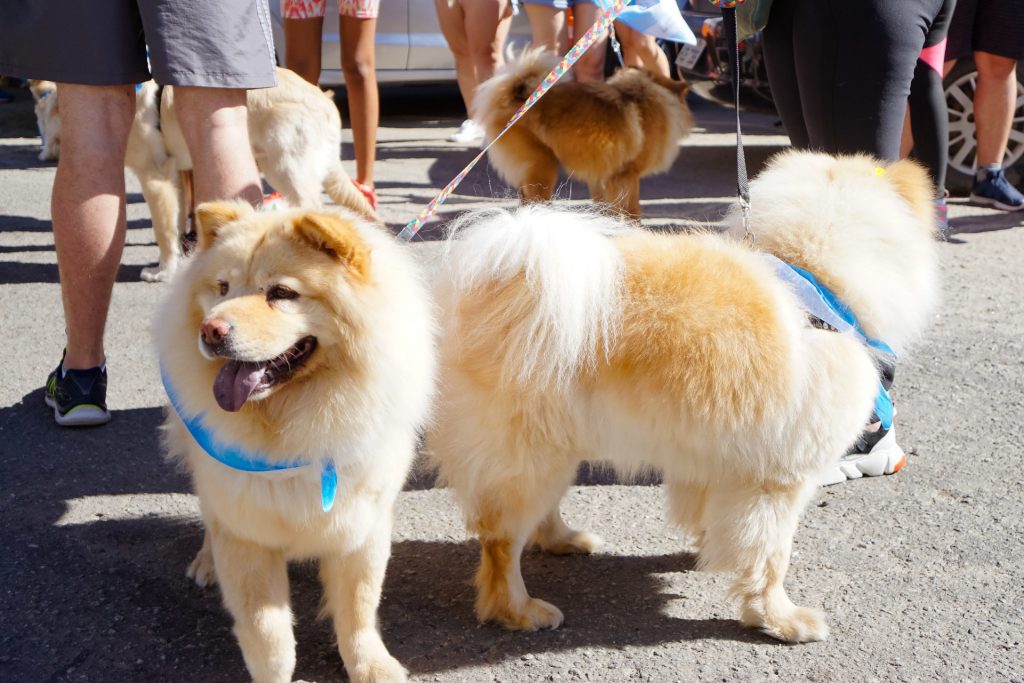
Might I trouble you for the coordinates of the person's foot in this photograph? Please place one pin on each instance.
(367, 191)
(996, 191)
(469, 133)
(876, 453)
(78, 397)
(273, 202)
(942, 218)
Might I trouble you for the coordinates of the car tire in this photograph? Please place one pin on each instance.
(959, 86)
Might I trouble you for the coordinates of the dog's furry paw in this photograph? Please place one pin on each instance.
(156, 274)
(797, 625)
(201, 568)
(384, 670)
(578, 542)
(537, 615)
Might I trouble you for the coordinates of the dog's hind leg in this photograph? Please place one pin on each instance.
(556, 537)
(295, 178)
(162, 194)
(505, 515)
(750, 531)
(621, 192)
(538, 181)
(352, 587)
(254, 583)
(686, 503)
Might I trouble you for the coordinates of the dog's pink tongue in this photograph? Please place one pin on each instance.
(235, 383)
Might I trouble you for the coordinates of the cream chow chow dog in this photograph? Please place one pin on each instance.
(571, 337)
(304, 341)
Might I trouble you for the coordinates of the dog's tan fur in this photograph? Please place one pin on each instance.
(571, 338)
(359, 401)
(608, 134)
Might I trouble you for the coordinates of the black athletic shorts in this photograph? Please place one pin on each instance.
(993, 26)
(205, 43)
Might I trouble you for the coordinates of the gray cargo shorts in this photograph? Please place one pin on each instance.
(204, 43)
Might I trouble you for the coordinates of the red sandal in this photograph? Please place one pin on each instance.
(368, 192)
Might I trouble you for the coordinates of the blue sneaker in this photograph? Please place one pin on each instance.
(78, 397)
(996, 191)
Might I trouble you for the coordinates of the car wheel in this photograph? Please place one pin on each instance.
(959, 85)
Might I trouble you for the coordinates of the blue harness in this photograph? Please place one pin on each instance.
(238, 459)
(822, 303)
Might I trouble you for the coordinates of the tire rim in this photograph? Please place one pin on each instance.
(962, 144)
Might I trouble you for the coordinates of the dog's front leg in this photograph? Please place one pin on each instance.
(352, 587)
(254, 582)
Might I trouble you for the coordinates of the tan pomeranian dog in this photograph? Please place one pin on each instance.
(572, 337)
(608, 134)
(297, 348)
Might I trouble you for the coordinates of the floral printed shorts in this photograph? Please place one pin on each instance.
(305, 9)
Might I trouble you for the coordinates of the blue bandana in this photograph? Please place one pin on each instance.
(238, 459)
(822, 303)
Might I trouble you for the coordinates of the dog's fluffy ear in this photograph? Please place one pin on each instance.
(212, 216)
(336, 237)
(913, 183)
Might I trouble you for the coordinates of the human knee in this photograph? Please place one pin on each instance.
(358, 68)
(994, 66)
(204, 109)
(96, 122)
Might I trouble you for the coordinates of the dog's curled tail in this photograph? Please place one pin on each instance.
(503, 93)
(343, 192)
(536, 291)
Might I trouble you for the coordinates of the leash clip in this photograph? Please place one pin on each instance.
(748, 235)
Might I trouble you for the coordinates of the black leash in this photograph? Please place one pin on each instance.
(742, 185)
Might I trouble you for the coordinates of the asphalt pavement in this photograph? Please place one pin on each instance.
(920, 573)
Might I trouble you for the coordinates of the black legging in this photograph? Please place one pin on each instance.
(929, 120)
(840, 70)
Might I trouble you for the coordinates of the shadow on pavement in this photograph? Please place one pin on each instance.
(989, 222)
(28, 224)
(98, 587)
(19, 273)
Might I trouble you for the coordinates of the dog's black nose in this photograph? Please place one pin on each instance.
(215, 331)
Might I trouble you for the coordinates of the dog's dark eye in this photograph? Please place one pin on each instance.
(223, 287)
(278, 292)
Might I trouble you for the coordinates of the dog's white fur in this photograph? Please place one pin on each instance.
(569, 339)
(360, 402)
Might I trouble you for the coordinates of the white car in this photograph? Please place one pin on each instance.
(410, 46)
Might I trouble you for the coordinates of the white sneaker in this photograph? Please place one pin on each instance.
(469, 133)
(885, 457)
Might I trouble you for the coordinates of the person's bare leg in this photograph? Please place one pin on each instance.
(487, 25)
(88, 208)
(549, 28)
(994, 101)
(639, 49)
(590, 66)
(216, 130)
(359, 68)
(302, 39)
(452, 20)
